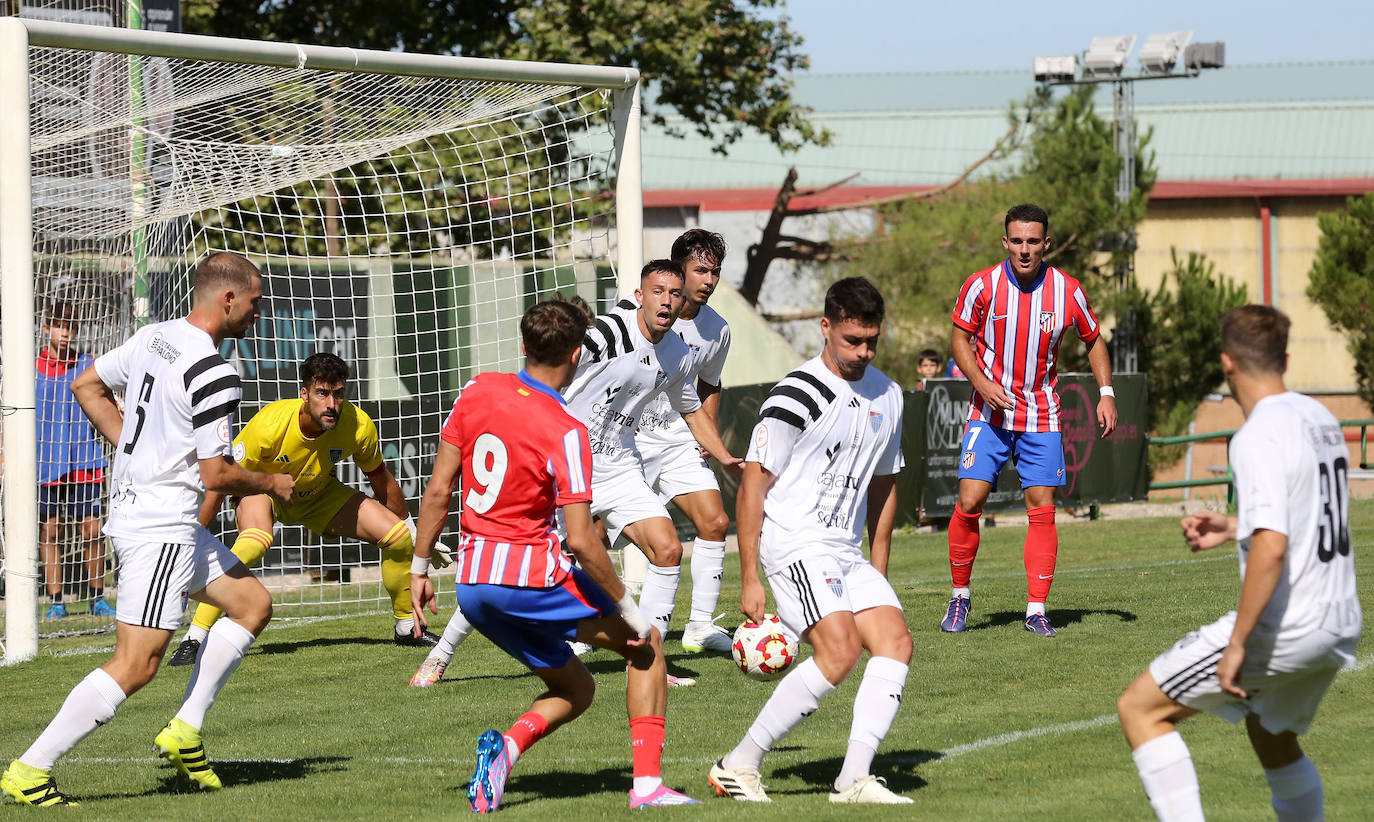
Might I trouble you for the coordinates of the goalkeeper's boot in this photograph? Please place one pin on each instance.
(660, 797)
(57, 610)
(186, 653)
(179, 744)
(1039, 624)
(489, 779)
(956, 617)
(706, 636)
(407, 639)
(101, 608)
(429, 673)
(30, 786)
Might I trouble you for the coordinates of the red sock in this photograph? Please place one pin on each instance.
(963, 546)
(1042, 547)
(527, 730)
(646, 744)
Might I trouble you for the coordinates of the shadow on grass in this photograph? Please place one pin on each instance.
(318, 642)
(1059, 617)
(612, 781)
(898, 767)
(236, 773)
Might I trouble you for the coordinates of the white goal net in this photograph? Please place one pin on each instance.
(405, 209)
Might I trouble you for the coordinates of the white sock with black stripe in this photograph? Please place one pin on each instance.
(875, 706)
(656, 599)
(224, 648)
(90, 704)
(797, 696)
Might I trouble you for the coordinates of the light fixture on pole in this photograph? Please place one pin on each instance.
(1106, 56)
(1160, 52)
(1055, 69)
(1204, 55)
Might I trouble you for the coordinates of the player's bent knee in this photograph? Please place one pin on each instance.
(668, 555)
(715, 528)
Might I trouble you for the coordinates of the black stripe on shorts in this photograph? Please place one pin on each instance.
(811, 611)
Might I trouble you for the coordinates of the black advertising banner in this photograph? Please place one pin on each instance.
(1096, 470)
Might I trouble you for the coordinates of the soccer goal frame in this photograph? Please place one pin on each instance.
(19, 311)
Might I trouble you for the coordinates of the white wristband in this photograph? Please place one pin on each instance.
(419, 566)
(1107, 391)
(629, 610)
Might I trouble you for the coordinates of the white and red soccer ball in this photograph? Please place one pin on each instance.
(763, 650)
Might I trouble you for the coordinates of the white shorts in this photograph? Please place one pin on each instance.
(678, 469)
(156, 577)
(1285, 680)
(814, 587)
(624, 500)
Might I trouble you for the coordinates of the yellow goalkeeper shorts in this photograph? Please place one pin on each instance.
(314, 509)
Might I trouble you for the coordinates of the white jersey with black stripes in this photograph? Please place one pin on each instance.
(708, 338)
(179, 398)
(619, 374)
(824, 439)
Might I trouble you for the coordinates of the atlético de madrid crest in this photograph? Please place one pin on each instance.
(1046, 322)
(875, 419)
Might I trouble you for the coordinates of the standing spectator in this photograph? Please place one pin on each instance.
(1008, 323)
(71, 464)
(928, 365)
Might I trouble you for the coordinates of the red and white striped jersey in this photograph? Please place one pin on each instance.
(1016, 333)
(523, 457)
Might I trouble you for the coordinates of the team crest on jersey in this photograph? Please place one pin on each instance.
(696, 349)
(875, 420)
(967, 460)
(659, 378)
(836, 585)
(239, 451)
(1046, 322)
(335, 454)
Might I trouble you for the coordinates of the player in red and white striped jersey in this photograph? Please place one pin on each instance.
(522, 456)
(1008, 324)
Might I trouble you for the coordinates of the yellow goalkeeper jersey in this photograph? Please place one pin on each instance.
(272, 442)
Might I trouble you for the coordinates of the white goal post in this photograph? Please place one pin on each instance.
(405, 208)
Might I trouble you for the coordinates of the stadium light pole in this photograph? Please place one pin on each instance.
(1105, 62)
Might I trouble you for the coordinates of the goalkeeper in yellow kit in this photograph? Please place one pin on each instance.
(307, 438)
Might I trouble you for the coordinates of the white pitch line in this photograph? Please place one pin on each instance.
(1016, 736)
(1227, 555)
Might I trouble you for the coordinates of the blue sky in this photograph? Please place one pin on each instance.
(967, 35)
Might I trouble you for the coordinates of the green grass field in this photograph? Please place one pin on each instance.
(319, 723)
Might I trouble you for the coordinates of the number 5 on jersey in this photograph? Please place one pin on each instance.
(144, 394)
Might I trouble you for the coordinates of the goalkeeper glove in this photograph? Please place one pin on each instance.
(441, 556)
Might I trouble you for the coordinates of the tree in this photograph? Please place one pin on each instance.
(721, 64)
(1342, 282)
(1065, 161)
(1179, 330)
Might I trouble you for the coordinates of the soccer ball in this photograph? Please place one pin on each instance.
(763, 650)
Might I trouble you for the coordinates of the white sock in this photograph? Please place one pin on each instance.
(875, 706)
(797, 696)
(960, 592)
(90, 704)
(1166, 771)
(197, 633)
(1033, 608)
(224, 648)
(455, 632)
(1296, 792)
(405, 626)
(512, 750)
(656, 600)
(634, 565)
(708, 566)
(645, 785)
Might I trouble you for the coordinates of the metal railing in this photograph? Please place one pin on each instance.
(1228, 479)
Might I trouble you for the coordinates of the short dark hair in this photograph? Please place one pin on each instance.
(223, 269)
(1027, 213)
(854, 298)
(706, 246)
(1256, 337)
(552, 330)
(928, 354)
(323, 368)
(664, 266)
(60, 312)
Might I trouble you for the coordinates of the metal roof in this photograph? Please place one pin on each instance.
(1270, 121)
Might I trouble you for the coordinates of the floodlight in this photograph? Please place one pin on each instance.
(1161, 51)
(1205, 55)
(1055, 69)
(1107, 55)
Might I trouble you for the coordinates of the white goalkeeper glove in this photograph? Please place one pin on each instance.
(441, 556)
(629, 610)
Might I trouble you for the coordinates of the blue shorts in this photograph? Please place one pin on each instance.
(534, 624)
(78, 499)
(1039, 455)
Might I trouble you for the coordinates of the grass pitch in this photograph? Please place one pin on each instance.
(319, 723)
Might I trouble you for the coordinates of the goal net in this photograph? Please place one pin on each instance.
(405, 209)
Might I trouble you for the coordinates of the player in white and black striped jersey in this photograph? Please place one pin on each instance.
(1271, 660)
(172, 442)
(821, 468)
